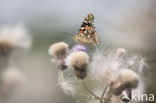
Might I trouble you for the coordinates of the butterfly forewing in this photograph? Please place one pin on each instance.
(87, 33)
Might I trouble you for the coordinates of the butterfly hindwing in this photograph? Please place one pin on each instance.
(87, 33)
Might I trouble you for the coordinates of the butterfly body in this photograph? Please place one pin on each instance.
(87, 33)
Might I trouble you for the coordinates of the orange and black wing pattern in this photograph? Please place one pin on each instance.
(87, 33)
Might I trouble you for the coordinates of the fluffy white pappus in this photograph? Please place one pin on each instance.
(16, 36)
(104, 58)
(58, 49)
(137, 63)
(77, 59)
(107, 75)
(141, 87)
(67, 87)
(120, 52)
(66, 81)
(127, 79)
(11, 78)
(104, 67)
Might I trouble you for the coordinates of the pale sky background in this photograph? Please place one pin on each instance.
(114, 19)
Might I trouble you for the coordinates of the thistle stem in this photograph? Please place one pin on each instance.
(103, 93)
(107, 99)
(74, 96)
(85, 95)
(90, 91)
(62, 75)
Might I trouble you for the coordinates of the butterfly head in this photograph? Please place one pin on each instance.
(90, 17)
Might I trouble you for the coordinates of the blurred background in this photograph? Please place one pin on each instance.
(120, 23)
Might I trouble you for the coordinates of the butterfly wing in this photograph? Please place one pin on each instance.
(87, 33)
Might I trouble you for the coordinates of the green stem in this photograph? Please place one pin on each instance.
(90, 91)
(103, 93)
(74, 97)
(107, 99)
(62, 75)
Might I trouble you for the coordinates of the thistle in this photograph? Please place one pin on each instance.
(127, 79)
(78, 60)
(59, 50)
(108, 71)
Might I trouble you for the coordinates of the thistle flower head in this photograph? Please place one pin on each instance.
(127, 79)
(59, 50)
(79, 47)
(78, 60)
(12, 37)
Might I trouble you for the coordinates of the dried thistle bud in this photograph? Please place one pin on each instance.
(127, 79)
(78, 60)
(59, 50)
(81, 72)
(61, 65)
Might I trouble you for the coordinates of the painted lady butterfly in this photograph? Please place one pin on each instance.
(87, 33)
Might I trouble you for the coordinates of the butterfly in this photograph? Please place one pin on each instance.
(87, 33)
